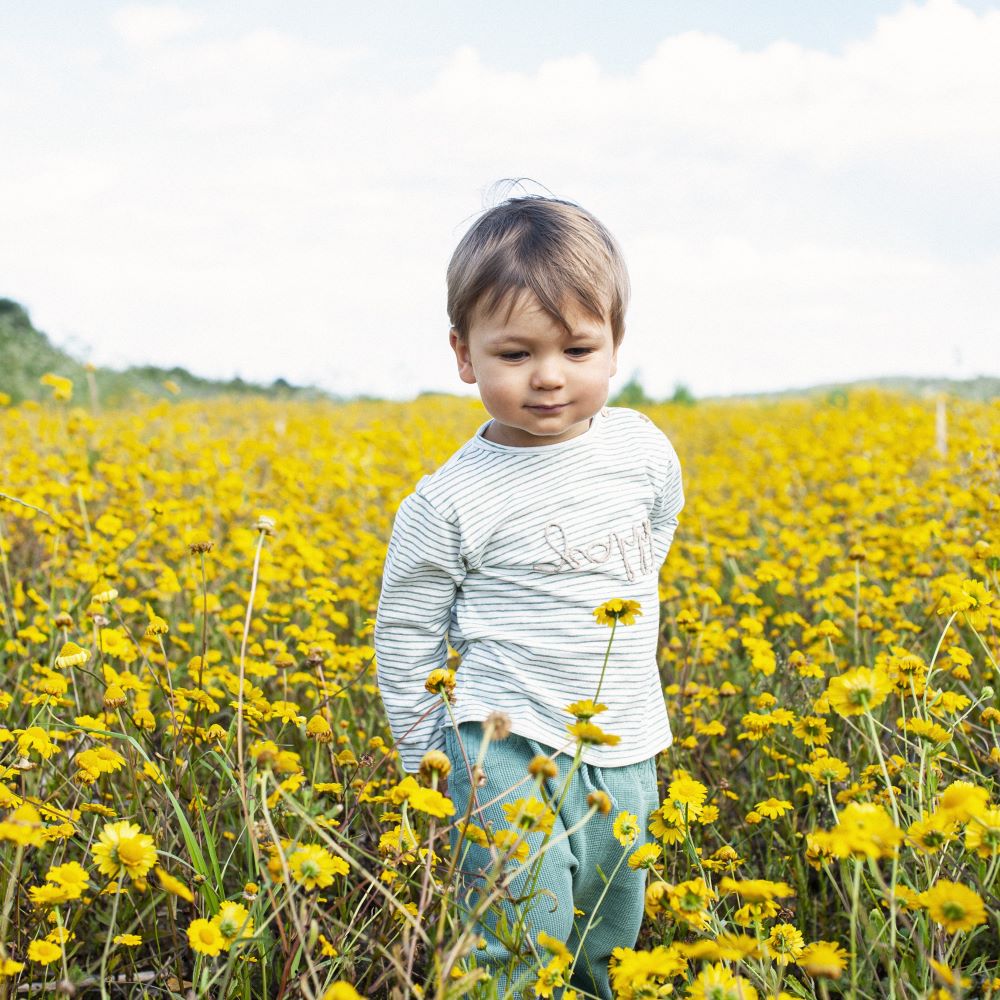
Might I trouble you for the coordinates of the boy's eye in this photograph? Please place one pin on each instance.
(573, 352)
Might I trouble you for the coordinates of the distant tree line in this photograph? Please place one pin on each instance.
(26, 354)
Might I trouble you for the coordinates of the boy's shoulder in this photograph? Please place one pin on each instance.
(458, 478)
(641, 428)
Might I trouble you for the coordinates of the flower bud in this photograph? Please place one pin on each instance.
(434, 762)
(114, 698)
(319, 729)
(601, 800)
(542, 766)
(497, 725)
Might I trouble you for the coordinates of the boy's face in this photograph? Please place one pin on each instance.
(540, 383)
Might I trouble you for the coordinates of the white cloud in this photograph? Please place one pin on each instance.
(273, 204)
(150, 24)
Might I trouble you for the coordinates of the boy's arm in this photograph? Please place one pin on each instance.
(423, 570)
(669, 501)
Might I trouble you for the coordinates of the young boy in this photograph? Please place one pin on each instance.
(555, 506)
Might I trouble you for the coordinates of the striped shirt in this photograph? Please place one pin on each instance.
(505, 552)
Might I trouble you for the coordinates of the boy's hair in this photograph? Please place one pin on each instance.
(547, 246)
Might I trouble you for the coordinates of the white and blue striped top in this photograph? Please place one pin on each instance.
(505, 552)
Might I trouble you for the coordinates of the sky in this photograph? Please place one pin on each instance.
(805, 191)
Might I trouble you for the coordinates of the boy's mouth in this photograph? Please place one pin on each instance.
(554, 408)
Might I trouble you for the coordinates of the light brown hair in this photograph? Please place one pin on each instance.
(552, 248)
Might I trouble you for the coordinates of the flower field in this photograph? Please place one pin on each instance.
(199, 795)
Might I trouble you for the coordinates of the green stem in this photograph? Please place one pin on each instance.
(855, 892)
(607, 653)
(600, 899)
(107, 942)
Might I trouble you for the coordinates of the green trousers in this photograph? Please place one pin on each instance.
(574, 886)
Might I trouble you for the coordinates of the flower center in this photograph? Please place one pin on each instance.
(130, 852)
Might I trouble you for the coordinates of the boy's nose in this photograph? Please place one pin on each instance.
(547, 376)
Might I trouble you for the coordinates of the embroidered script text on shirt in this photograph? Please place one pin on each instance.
(640, 538)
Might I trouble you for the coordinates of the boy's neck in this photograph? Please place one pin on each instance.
(512, 438)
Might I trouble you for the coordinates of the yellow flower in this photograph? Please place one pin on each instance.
(812, 730)
(441, 681)
(233, 921)
(858, 690)
(656, 898)
(123, 849)
(205, 937)
(550, 977)
(785, 943)
(314, 867)
(954, 906)
(588, 733)
(645, 856)
(949, 976)
(626, 828)
(44, 952)
(319, 729)
(511, 842)
(756, 890)
(617, 610)
(554, 946)
(529, 814)
(962, 800)
(8, 967)
(773, 808)
(37, 739)
(342, 990)
(72, 655)
(174, 885)
(685, 791)
(427, 800)
(690, 901)
(865, 829)
(48, 895)
(114, 698)
(822, 960)
(24, 826)
(93, 763)
(930, 833)
(585, 710)
(127, 940)
(71, 876)
(827, 769)
(717, 982)
(432, 802)
(638, 973)
(982, 835)
(727, 947)
(62, 387)
(155, 627)
(434, 762)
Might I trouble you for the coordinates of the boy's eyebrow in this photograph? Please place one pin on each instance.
(505, 338)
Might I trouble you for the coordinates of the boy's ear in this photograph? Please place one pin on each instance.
(614, 361)
(461, 348)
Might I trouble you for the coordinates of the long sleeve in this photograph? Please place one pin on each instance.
(668, 504)
(423, 570)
